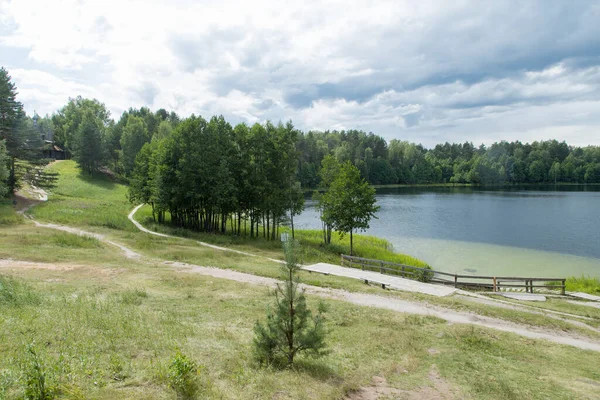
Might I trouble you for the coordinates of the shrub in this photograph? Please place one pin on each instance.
(291, 328)
(182, 376)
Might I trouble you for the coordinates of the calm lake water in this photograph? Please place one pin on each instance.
(550, 232)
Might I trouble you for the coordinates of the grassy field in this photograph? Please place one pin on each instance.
(97, 325)
(111, 332)
(81, 200)
(8, 214)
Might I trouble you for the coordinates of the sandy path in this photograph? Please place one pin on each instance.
(398, 305)
(392, 282)
(361, 299)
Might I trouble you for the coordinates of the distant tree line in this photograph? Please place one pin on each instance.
(401, 162)
(84, 129)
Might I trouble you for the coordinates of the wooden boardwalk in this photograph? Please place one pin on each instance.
(386, 281)
(477, 282)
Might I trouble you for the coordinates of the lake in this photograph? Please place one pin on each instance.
(516, 231)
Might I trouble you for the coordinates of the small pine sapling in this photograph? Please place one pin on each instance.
(290, 327)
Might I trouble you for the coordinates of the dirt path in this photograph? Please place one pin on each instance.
(361, 299)
(398, 305)
(126, 251)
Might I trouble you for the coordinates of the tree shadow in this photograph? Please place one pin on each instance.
(99, 178)
(317, 369)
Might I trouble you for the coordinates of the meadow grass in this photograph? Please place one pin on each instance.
(83, 200)
(586, 284)
(8, 214)
(119, 340)
(313, 248)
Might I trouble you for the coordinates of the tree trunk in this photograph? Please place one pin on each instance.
(350, 241)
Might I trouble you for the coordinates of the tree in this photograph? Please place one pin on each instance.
(350, 202)
(4, 189)
(135, 135)
(67, 120)
(555, 172)
(290, 328)
(10, 108)
(87, 143)
(330, 169)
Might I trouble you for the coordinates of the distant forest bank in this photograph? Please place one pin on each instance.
(380, 162)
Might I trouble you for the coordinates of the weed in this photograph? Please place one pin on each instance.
(183, 376)
(35, 385)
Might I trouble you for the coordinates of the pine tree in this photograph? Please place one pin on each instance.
(290, 328)
(87, 149)
(3, 170)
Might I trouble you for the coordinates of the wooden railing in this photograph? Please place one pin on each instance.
(493, 283)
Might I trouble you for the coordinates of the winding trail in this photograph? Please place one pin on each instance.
(361, 299)
(370, 300)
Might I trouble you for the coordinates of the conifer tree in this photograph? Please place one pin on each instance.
(291, 327)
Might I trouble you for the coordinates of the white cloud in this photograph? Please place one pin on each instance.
(425, 71)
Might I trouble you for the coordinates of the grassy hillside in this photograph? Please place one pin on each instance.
(83, 200)
(108, 332)
(105, 327)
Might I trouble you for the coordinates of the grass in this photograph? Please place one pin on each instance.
(585, 284)
(8, 214)
(83, 200)
(313, 248)
(118, 341)
(106, 327)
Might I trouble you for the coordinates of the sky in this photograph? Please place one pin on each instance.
(423, 71)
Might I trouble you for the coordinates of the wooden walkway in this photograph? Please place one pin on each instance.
(385, 281)
(492, 283)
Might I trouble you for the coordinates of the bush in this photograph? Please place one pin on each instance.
(182, 376)
(291, 328)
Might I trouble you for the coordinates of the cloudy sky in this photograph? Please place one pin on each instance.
(424, 71)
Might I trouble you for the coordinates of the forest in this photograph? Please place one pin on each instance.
(283, 156)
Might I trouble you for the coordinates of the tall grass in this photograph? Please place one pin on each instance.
(585, 284)
(8, 214)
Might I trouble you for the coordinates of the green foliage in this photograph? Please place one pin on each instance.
(211, 177)
(349, 203)
(585, 284)
(135, 135)
(86, 144)
(36, 386)
(183, 376)
(401, 162)
(4, 173)
(290, 328)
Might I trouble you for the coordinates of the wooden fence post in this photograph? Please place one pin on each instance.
(381, 268)
(495, 286)
(564, 285)
(455, 280)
